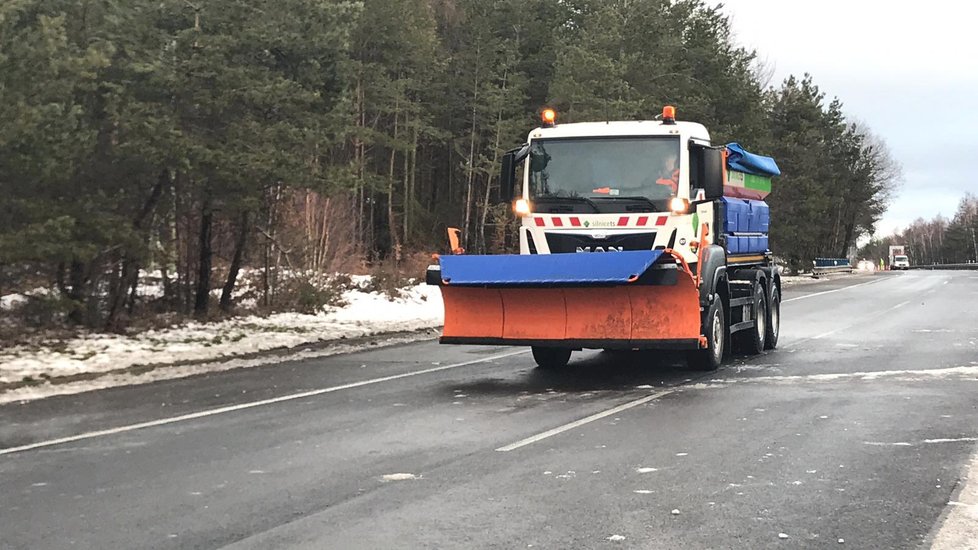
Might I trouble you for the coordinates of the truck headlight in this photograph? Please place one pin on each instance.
(522, 207)
(678, 205)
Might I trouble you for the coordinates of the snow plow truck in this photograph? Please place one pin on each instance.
(634, 235)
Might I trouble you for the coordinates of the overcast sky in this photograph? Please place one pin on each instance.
(907, 70)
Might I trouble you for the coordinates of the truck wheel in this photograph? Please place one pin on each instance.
(551, 358)
(715, 330)
(773, 319)
(755, 339)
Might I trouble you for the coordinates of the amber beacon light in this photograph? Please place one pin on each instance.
(669, 114)
(549, 117)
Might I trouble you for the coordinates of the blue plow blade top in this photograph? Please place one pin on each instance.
(596, 268)
(740, 160)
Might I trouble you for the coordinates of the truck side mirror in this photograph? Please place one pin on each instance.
(507, 174)
(507, 177)
(712, 177)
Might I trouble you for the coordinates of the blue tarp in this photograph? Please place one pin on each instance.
(595, 268)
(740, 160)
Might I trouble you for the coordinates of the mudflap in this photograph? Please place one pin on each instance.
(633, 313)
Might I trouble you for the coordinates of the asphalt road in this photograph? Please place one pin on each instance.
(859, 428)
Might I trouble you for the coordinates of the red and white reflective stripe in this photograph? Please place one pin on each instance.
(623, 221)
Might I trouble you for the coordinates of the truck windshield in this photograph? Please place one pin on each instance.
(605, 168)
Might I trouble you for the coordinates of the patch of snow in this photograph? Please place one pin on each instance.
(366, 314)
(114, 379)
(12, 301)
(398, 477)
(675, 512)
(646, 470)
(682, 454)
(643, 491)
(782, 535)
(616, 538)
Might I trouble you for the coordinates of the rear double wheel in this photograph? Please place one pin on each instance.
(715, 331)
(754, 340)
(773, 327)
(551, 358)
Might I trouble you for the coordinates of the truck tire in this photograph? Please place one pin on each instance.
(551, 358)
(715, 330)
(773, 319)
(755, 339)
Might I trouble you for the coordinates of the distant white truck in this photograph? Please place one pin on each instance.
(898, 251)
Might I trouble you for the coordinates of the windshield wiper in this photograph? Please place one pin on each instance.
(554, 198)
(646, 200)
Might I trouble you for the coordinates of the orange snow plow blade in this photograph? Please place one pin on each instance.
(607, 301)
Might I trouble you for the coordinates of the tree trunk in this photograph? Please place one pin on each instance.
(406, 204)
(239, 246)
(202, 299)
(470, 175)
(483, 246)
(77, 292)
(359, 152)
(391, 221)
(129, 275)
(60, 279)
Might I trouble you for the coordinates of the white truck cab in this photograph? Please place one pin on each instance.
(595, 187)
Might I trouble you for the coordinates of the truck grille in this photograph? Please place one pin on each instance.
(565, 242)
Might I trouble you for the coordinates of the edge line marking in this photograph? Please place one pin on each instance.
(243, 406)
(582, 421)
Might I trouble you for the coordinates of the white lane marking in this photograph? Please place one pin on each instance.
(960, 526)
(399, 477)
(926, 441)
(833, 331)
(969, 373)
(831, 291)
(243, 406)
(583, 421)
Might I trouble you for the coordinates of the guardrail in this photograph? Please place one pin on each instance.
(831, 265)
(945, 266)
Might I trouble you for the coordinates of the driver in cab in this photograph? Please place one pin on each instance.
(669, 172)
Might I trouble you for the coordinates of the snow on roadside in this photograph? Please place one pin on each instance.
(365, 314)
